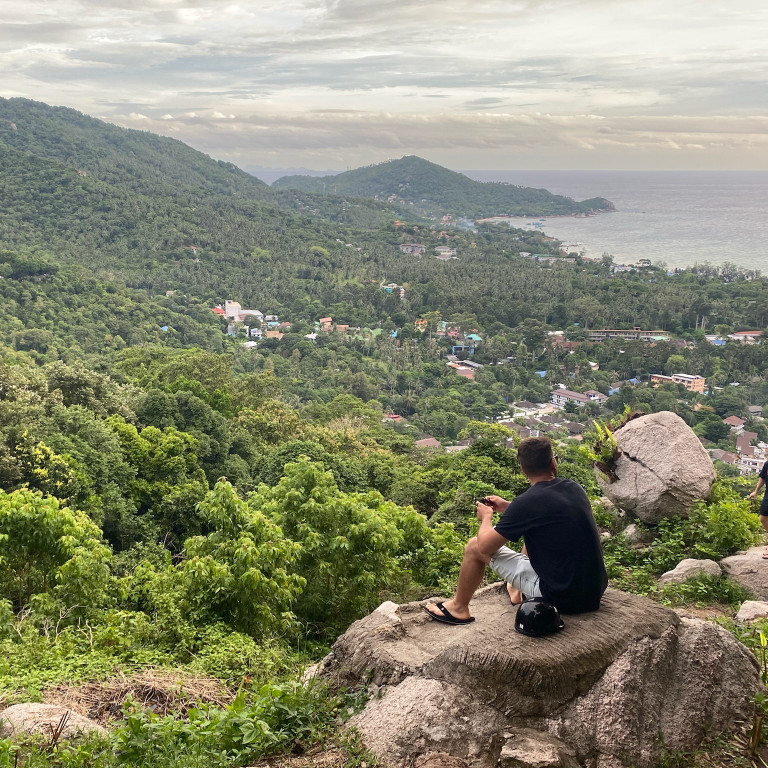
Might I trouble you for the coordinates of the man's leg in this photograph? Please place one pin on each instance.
(470, 577)
(516, 570)
(516, 595)
(763, 517)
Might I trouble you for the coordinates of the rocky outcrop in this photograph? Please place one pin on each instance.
(751, 610)
(662, 469)
(689, 567)
(45, 719)
(598, 693)
(750, 570)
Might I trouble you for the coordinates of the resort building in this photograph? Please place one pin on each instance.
(633, 333)
(690, 382)
(560, 397)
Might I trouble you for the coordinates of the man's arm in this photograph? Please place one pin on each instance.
(760, 484)
(488, 539)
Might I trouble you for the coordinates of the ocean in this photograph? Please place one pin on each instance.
(676, 217)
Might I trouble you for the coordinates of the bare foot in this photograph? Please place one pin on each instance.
(515, 595)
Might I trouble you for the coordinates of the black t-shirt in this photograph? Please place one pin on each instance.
(764, 474)
(555, 519)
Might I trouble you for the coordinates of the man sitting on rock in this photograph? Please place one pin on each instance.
(562, 561)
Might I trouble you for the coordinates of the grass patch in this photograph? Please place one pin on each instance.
(703, 590)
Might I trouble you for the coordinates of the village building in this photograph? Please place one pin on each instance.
(746, 337)
(750, 461)
(560, 397)
(416, 248)
(428, 442)
(735, 423)
(690, 382)
(634, 333)
(743, 442)
(724, 456)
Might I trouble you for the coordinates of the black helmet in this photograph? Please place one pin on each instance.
(535, 618)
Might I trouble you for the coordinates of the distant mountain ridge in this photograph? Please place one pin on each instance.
(433, 190)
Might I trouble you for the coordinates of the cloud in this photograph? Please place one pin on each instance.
(350, 138)
(439, 72)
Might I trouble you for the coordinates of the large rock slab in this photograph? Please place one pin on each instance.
(688, 568)
(750, 570)
(44, 719)
(662, 470)
(426, 715)
(606, 686)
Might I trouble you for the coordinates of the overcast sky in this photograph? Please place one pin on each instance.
(331, 84)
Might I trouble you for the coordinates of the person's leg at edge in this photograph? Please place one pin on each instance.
(763, 516)
(516, 596)
(470, 577)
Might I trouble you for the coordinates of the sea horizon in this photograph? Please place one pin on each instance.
(679, 218)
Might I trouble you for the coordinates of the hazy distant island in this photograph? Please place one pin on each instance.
(431, 190)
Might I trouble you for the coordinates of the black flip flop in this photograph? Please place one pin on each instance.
(447, 617)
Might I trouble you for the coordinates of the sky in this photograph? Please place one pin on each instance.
(335, 84)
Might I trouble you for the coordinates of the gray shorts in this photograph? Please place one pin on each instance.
(515, 568)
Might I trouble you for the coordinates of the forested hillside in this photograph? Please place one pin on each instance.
(433, 190)
(222, 496)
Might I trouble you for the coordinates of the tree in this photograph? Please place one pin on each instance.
(587, 309)
(44, 546)
(240, 573)
(348, 542)
(674, 364)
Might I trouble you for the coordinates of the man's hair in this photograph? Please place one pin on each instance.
(534, 455)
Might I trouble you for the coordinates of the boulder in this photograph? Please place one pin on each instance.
(662, 469)
(690, 567)
(45, 719)
(751, 610)
(750, 570)
(637, 536)
(601, 692)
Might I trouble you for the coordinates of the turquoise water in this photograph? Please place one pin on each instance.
(678, 217)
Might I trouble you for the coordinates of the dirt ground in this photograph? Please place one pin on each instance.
(163, 691)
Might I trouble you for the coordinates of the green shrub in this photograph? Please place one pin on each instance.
(348, 542)
(240, 573)
(702, 590)
(713, 529)
(46, 548)
(275, 718)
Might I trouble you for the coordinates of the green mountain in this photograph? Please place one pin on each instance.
(98, 222)
(433, 190)
(136, 160)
